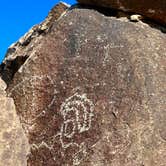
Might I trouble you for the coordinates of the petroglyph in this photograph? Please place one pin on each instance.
(80, 155)
(40, 85)
(77, 112)
(107, 51)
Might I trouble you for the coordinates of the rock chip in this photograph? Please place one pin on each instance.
(155, 10)
(14, 146)
(92, 92)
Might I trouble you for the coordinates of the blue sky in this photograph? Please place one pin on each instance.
(18, 16)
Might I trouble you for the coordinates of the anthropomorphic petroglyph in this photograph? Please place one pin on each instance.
(77, 112)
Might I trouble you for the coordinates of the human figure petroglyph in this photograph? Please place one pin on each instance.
(77, 112)
(82, 109)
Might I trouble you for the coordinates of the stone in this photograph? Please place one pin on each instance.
(14, 146)
(92, 92)
(2, 88)
(155, 10)
(135, 17)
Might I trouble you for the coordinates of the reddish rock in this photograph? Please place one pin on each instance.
(155, 10)
(92, 91)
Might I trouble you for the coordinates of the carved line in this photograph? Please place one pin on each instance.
(71, 104)
(35, 78)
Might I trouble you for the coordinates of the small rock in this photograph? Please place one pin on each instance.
(135, 17)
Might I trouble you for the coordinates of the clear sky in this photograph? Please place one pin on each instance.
(18, 16)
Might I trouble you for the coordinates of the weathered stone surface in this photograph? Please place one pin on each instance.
(18, 52)
(153, 9)
(14, 145)
(2, 88)
(92, 92)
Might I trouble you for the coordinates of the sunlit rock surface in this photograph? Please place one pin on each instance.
(91, 92)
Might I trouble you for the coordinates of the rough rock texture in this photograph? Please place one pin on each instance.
(153, 9)
(14, 145)
(2, 88)
(18, 52)
(92, 93)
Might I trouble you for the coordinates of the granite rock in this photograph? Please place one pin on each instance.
(155, 10)
(14, 146)
(92, 92)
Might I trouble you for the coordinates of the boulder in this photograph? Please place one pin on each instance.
(92, 91)
(155, 10)
(14, 146)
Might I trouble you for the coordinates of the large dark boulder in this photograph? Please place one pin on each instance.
(155, 10)
(92, 92)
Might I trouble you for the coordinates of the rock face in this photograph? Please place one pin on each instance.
(14, 145)
(153, 9)
(91, 92)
